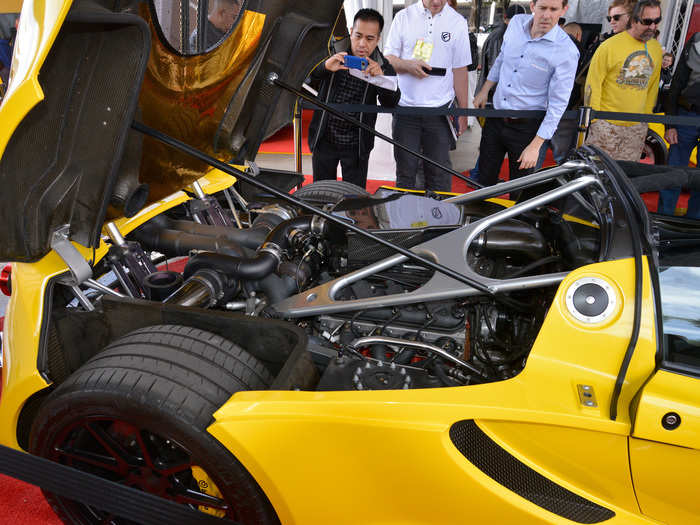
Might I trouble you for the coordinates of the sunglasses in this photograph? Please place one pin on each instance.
(615, 17)
(649, 21)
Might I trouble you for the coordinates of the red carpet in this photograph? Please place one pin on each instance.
(283, 140)
(23, 503)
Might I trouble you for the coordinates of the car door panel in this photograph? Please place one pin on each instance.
(664, 454)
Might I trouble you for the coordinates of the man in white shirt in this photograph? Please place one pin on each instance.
(427, 38)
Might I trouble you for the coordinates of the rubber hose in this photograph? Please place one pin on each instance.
(173, 242)
(251, 237)
(263, 264)
(244, 268)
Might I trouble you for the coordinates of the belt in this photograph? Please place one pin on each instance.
(519, 119)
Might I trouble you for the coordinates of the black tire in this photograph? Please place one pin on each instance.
(329, 192)
(154, 391)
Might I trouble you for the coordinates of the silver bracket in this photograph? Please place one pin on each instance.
(586, 396)
(79, 268)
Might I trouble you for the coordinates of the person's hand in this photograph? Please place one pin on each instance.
(415, 67)
(528, 158)
(373, 69)
(671, 136)
(336, 62)
(481, 98)
(463, 122)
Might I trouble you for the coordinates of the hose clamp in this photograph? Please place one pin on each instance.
(318, 224)
(275, 209)
(273, 249)
(294, 233)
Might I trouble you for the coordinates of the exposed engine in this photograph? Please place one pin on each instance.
(257, 259)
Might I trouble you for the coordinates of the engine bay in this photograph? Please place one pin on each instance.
(384, 321)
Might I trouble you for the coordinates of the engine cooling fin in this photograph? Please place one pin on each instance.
(502, 467)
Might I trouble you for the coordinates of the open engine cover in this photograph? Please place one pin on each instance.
(63, 152)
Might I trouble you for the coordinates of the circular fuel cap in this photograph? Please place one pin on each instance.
(590, 300)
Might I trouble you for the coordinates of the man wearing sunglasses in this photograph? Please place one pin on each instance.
(624, 77)
(618, 16)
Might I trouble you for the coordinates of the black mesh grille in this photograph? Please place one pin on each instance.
(362, 251)
(58, 368)
(499, 465)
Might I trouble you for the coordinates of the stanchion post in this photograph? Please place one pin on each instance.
(297, 137)
(584, 120)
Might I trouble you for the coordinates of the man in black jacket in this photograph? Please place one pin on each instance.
(683, 99)
(492, 45)
(333, 140)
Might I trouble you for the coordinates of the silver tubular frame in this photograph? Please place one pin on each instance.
(540, 177)
(530, 180)
(449, 250)
(427, 347)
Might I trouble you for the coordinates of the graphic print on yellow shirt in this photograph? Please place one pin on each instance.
(636, 71)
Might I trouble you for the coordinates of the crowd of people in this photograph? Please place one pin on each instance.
(536, 61)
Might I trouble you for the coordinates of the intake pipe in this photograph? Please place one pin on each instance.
(243, 268)
(174, 242)
(251, 237)
(512, 238)
(267, 259)
(129, 195)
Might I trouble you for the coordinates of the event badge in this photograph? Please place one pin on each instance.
(423, 50)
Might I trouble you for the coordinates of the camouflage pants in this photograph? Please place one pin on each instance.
(620, 142)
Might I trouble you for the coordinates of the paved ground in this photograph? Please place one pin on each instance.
(381, 161)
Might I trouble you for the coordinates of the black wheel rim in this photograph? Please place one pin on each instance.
(117, 450)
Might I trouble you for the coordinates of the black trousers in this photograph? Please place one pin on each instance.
(501, 136)
(325, 163)
(432, 136)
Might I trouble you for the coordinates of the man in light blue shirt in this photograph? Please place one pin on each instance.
(535, 70)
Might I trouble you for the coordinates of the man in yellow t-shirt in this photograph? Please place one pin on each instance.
(624, 76)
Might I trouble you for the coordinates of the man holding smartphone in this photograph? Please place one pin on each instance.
(332, 140)
(428, 45)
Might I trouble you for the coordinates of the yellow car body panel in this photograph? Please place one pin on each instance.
(670, 392)
(24, 320)
(213, 181)
(42, 20)
(308, 450)
(660, 130)
(666, 481)
(20, 378)
(665, 461)
(273, 433)
(216, 180)
(596, 460)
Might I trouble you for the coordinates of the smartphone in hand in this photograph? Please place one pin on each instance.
(354, 62)
(436, 71)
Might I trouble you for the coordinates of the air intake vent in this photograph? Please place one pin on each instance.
(501, 466)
